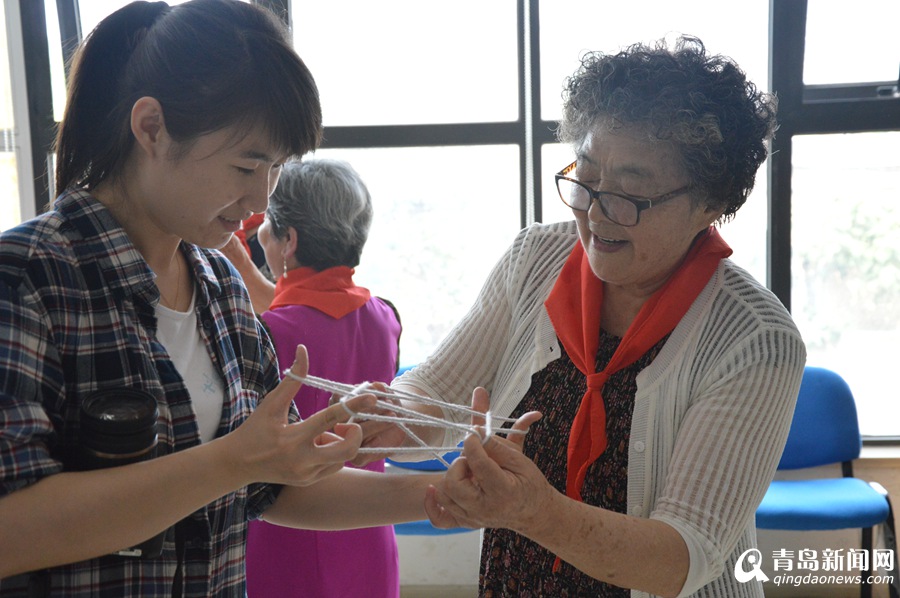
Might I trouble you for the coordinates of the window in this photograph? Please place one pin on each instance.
(436, 233)
(10, 212)
(398, 62)
(425, 106)
(835, 257)
(835, 36)
(846, 263)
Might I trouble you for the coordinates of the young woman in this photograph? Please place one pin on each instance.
(177, 123)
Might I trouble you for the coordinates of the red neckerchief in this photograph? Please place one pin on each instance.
(330, 291)
(251, 223)
(574, 308)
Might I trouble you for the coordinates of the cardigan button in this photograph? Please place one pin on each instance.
(639, 446)
(637, 510)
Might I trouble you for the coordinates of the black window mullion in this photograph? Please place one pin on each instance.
(522, 63)
(40, 98)
(422, 135)
(534, 64)
(853, 115)
(787, 37)
(69, 29)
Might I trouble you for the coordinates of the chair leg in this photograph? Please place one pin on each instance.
(890, 541)
(865, 588)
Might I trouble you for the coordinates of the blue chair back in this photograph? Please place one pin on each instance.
(825, 428)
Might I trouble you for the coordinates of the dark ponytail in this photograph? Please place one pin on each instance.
(95, 133)
(211, 64)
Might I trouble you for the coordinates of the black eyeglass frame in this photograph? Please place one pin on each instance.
(640, 203)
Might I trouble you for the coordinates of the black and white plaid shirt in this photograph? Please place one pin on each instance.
(77, 315)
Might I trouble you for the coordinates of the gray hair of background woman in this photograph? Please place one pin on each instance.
(702, 104)
(329, 206)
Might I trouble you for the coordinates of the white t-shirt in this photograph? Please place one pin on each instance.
(178, 333)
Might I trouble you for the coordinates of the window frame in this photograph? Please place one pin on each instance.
(803, 110)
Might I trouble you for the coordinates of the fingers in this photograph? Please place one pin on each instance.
(340, 412)
(478, 462)
(440, 516)
(523, 424)
(481, 402)
(338, 446)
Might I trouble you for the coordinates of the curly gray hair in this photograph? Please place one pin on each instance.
(703, 105)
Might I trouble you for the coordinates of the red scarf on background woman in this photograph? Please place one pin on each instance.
(574, 309)
(331, 291)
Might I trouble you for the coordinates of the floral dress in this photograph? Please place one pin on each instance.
(512, 565)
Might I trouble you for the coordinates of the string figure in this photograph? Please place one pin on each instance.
(407, 417)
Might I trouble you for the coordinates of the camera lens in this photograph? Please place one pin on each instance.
(119, 425)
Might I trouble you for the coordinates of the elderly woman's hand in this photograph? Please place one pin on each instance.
(491, 484)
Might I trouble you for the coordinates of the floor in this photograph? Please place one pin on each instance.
(438, 591)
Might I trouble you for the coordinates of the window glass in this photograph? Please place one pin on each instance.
(408, 61)
(442, 220)
(846, 264)
(851, 46)
(571, 27)
(10, 213)
(57, 69)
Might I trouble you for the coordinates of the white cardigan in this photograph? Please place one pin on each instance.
(711, 414)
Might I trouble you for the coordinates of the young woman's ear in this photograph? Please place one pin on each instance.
(148, 126)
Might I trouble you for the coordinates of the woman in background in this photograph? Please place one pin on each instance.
(316, 225)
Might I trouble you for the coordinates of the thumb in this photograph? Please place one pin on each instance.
(278, 402)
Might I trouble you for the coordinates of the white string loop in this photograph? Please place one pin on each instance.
(409, 417)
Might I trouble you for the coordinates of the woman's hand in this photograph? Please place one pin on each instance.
(491, 484)
(379, 435)
(268, 448)
(389, 435)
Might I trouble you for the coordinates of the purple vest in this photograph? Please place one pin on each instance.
(360, 347)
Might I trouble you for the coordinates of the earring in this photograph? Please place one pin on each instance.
(284, 271)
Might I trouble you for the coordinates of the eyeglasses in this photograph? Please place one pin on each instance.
(621, 209)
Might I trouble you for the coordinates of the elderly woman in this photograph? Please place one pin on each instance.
(316, 225)
(666, 375)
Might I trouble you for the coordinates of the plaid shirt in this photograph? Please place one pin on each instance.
(76, 315)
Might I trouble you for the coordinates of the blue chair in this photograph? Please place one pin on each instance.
(825, 430)
(424, 527)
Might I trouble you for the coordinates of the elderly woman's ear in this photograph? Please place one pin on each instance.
(289, 249)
